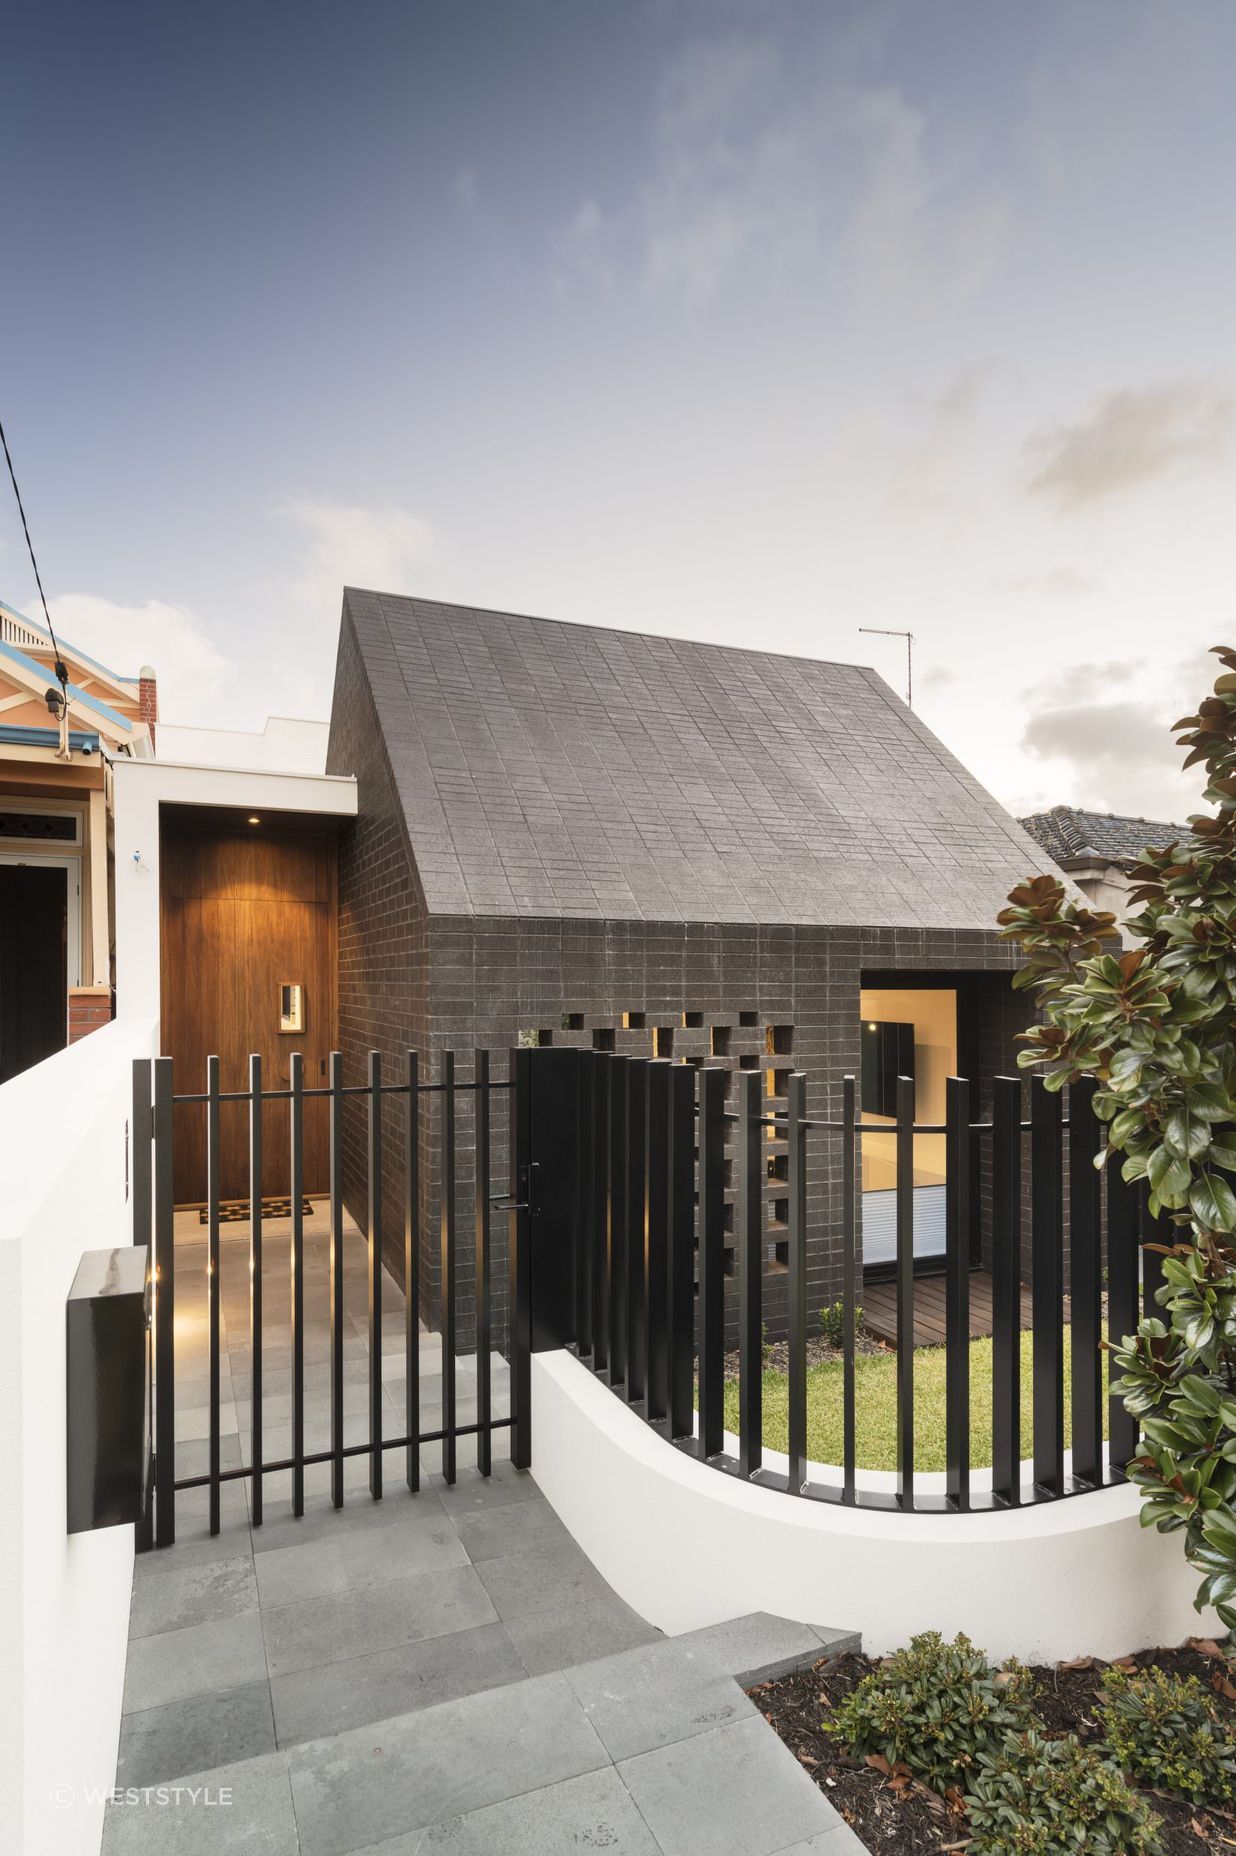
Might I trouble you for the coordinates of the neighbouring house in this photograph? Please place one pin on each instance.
(55, 910)
(1098, 851)
(574, 835)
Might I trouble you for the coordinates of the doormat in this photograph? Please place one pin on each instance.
(236, 1211)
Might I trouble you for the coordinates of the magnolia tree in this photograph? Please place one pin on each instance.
(1156, 1027)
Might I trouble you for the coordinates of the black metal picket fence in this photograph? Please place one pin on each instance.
(158, 1122)
(619, 1174)
(630, 1157)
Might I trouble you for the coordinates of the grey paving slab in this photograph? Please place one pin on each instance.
(650, 1697)
(511, 1527)
(734, 1791)
(196, 1734)
(556, 1639)
(325, 1630)
(178, 1592)
(377, 1782)
(226, 1653)
(473, 1491)
(759, 1647)
(522, 1583)
(839, 1841)
(322, 1520)
(245, 1808)
(312, 1703)
(347, 1559)
(592, 1812)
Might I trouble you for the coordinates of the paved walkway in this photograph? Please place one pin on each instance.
(444, 1672)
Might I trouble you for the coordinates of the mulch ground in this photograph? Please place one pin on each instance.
(895, 1815)
(819, 1352)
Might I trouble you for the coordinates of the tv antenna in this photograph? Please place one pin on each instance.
(877, 631)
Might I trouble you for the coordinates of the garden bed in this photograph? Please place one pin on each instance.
(896, 1816)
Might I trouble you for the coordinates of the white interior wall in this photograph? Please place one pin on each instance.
(64, 1599)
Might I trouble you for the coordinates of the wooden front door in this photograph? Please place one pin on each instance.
(246, 911)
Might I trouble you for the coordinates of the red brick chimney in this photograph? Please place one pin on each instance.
(148, 699)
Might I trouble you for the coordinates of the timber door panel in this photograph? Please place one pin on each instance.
(245, 911)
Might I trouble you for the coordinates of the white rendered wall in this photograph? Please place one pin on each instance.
(139, 788)
(287, 744)
(687, 1545)
(64, 1599)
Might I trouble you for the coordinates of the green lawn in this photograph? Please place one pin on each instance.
(875, 1407)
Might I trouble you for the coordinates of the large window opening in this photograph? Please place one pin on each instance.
(905, 1031)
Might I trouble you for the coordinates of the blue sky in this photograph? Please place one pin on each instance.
(755, 322)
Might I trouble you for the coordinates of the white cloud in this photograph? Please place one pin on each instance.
(1132, 437)
(904, 229)
(355, 544)
(1103, 734)
(762, 169)
(190, 668)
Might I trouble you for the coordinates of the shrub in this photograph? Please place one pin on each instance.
(832, 1323)
(934, 1707)
(1166, 1731)
(1032, 1797)
(1156, 1027)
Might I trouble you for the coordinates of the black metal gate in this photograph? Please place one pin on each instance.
(155, 1110)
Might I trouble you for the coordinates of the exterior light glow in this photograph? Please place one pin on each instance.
(254, 819)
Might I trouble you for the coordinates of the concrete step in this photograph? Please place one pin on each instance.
(655, 1751)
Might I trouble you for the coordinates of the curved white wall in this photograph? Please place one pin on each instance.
(687, 1545)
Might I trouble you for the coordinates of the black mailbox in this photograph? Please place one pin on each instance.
(108, 1335)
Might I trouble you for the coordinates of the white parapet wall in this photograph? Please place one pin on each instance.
(688, 1545)
(64, 1599)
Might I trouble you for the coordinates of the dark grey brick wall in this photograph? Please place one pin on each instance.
(457, 981)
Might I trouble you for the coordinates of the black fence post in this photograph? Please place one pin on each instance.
(374, 1103)
(296, 1069)
(212, 1281)
(337, 1316)
(521, 1188)
(165, 1309)
(140, 1160)
(905, 1291)
(1047, 1286)
(484, 1402)
(681, 1186)
(637, 1235)
(849, 1269)
(585, 1190)
(255, 1282)
(957, 1292)
(657, 1147)
(619, 1135)
(412, 1274)
(1123, 1257)
(1006, 1289)
(712, 1260)
(1085, 1283)
(796, 1167)
(750, 1274)
(601, 1077)
(446, 1267)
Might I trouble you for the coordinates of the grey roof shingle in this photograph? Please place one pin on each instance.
(1067, 833)
(551, 769)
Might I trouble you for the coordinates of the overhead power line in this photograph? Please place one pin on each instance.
(62, 673)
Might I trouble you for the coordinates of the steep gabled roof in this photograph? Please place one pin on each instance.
(1069, 834)
(558, 770)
